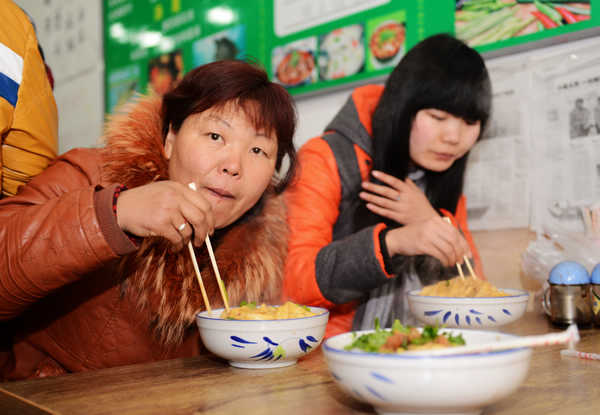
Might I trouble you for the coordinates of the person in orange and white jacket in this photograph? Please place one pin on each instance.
(366, 210)
(28, 114)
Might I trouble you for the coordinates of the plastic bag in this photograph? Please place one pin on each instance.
(557, 245)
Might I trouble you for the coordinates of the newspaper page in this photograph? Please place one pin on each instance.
(496, 182)
(566, 138)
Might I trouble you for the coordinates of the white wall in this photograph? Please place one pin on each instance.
(315, 112)
(70, 32)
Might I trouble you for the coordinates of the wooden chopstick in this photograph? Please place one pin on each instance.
(195, 262)
(460, 271)
(213, 261)
(216, 269)
(470, 267)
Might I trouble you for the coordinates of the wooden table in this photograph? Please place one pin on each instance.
(206, 384)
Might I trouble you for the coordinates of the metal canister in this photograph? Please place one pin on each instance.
(595, 291)
(595, 294)
(568, 304)
(567, 298)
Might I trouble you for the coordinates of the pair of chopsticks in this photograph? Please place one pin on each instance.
(569, 336)
(579, 355)
(214, 265)
(458, 266)
(591, 219)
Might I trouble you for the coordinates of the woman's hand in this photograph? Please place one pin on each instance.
(168, 209)
(400, 201)
(433, 236)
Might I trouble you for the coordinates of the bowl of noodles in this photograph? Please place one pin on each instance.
(261, 336)
(379, 367)
(467, 303)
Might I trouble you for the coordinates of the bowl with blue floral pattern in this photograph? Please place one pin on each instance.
(469, 312)
(262, 344)
(428, 383)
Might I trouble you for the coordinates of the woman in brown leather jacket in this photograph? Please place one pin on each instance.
(93, 272)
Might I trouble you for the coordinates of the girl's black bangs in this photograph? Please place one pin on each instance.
(468, 100)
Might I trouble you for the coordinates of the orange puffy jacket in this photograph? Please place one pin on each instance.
(319, 265)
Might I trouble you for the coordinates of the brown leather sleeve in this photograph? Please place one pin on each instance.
(50, 233)
(115, 237)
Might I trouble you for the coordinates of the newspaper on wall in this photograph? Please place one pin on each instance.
(497, 179)
(566, 137)
(538, 164)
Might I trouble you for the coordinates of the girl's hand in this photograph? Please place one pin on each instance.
(399, 201)
(433, 236)
(168, 209)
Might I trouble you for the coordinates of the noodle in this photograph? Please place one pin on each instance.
(265, 312)
(463, 287)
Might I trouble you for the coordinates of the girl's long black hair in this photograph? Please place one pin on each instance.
(439, 72)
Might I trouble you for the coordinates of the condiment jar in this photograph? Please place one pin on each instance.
(595, 294)
(567, 299)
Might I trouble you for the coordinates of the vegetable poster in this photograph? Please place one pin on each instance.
(494, 24)
(309, 46)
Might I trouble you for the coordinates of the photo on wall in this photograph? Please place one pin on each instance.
(164, 71)
(386, 40)
(482, 22)
(294, 64)
(227, 44)
(122, 85)
(341, 52)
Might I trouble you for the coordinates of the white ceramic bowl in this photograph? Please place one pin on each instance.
(420, 383)
(468, 312)
(262, 344)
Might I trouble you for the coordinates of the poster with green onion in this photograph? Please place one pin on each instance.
(491, 25)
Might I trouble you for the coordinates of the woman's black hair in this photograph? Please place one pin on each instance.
(440, 72)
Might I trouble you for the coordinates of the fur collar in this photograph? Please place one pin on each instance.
(250, 253)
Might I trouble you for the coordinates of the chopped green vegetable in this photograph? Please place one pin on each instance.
(294, 58)
(574, 9)
(457, 340)
(482, 24)
(549, 11)
(397, 327)
(554, 1)
(373, 342)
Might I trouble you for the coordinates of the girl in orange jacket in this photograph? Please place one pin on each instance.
(365, 212)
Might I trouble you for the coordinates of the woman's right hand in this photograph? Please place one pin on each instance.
(168, 209)
(433, 236)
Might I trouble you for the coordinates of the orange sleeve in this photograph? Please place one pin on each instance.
(313, 201)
